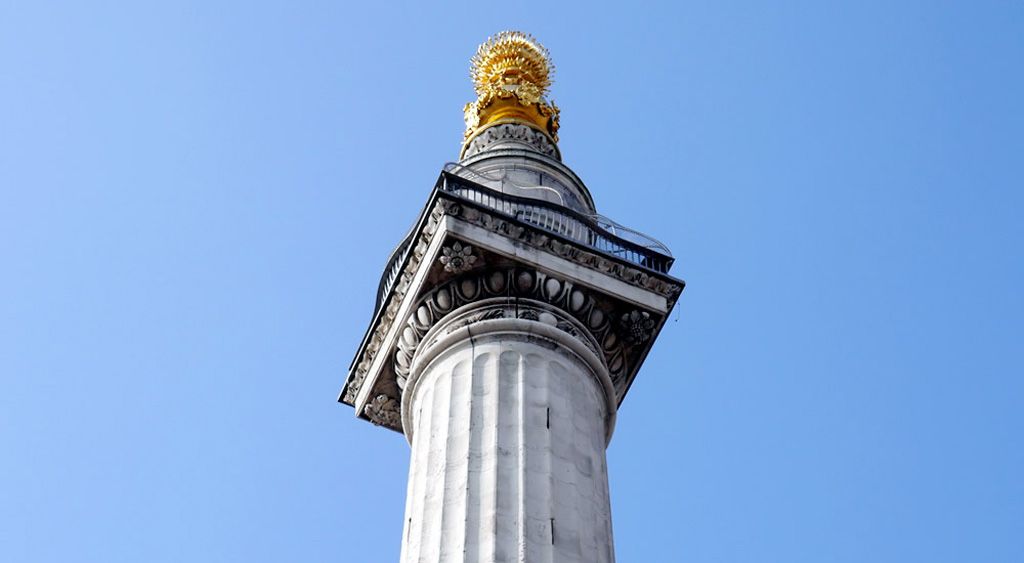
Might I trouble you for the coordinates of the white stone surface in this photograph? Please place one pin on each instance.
(527, 168)
(508, 452)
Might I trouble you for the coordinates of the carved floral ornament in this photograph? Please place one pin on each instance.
(637, 326)
(457, 258)
(385, 411)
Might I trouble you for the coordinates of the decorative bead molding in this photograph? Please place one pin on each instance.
(511, 285)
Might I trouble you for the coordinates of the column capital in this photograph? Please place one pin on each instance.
(510, 320)
(474, 243)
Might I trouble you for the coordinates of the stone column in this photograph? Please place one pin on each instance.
(509, 410)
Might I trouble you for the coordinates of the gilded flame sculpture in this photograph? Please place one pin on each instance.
(511, 74)
(512, 57)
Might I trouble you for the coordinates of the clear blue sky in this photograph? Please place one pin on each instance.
(197, 199)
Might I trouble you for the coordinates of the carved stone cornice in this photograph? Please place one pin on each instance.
(576, 253)
(390, 305)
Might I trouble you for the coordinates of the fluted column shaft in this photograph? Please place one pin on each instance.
(509, 421)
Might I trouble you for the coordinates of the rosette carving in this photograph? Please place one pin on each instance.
(385, 411)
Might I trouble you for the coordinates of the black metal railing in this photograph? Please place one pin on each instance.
(638, 249)
(396, 263)
(562, 221)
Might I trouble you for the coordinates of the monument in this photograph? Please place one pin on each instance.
(510, 323)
